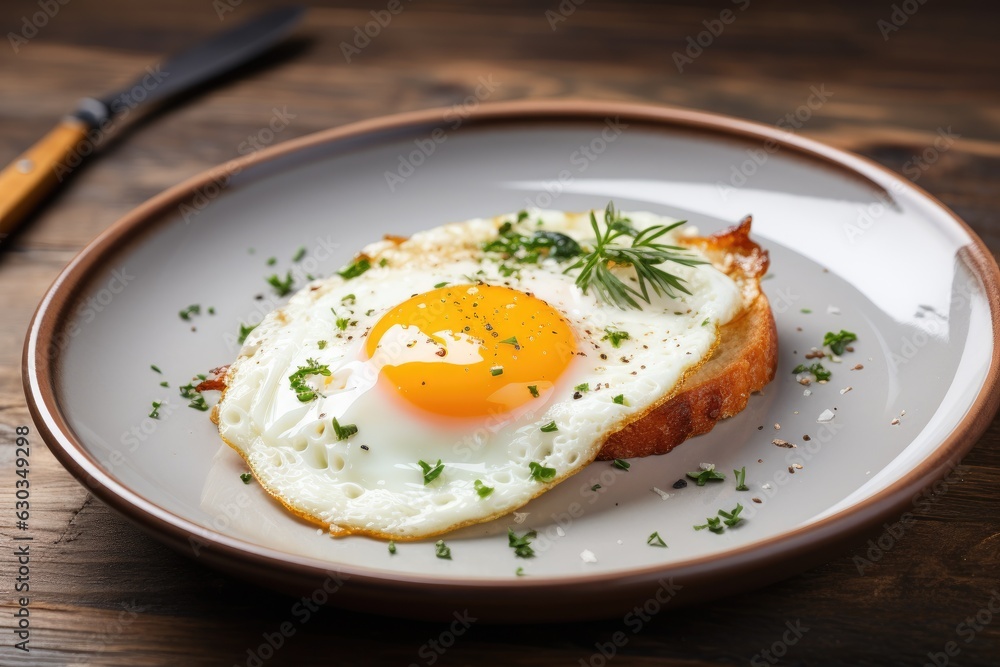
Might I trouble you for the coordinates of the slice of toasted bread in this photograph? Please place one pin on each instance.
(743, 362)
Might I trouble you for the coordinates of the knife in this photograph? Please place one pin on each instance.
(35, 173)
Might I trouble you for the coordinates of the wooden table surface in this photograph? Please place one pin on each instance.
(105, 593)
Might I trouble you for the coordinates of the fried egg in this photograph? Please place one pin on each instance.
(434, 384)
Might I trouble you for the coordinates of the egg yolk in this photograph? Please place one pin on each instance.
(471, 350)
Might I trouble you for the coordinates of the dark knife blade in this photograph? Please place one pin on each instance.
(213, 57)
(25, 183)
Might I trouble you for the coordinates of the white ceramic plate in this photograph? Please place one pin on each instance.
(859, 247)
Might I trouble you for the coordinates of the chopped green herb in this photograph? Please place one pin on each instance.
(511, 341)
(582, 387)
(246, 477)
(595, 487)
(616, 337)
(156, 369)
(511, 244)
(383, 262)
(392, 547)
(702, 476)
(281, 287)
(245, 331)
(644, 255)
(816, 369)
(188, 391)
(519, 572)
(355, 268)
(621, 464)
(297, 380)
(199, 403)
(732, 518)
(540, 473)
(522, 216)
(299, 254)
(271, 261)
(704, 322)
(483, 490)
(189, 311)
(440, 285)
(431, 472)
(201, 376)
(655, 540)
(521, 545)
(508, 271)
(345, 431)
(549, 428)
(619, 399)
(368, 313)
(496, 370)
(533, 388)
(348, 300)
(837, 341)
(211, 310)
(714, 524)
(343, 322)
(741, 479)
(441, 550)
(321, 344)
(155, 412)
(164, 384)
(806, 311)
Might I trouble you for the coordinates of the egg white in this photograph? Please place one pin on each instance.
(371, 482)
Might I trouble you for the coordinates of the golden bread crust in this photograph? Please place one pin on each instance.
(744, 361)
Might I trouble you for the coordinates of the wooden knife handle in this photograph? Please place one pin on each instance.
(35, 173)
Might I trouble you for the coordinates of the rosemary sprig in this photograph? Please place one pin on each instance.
(645, 254)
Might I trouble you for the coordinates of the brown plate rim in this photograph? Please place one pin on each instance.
(798, 544)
